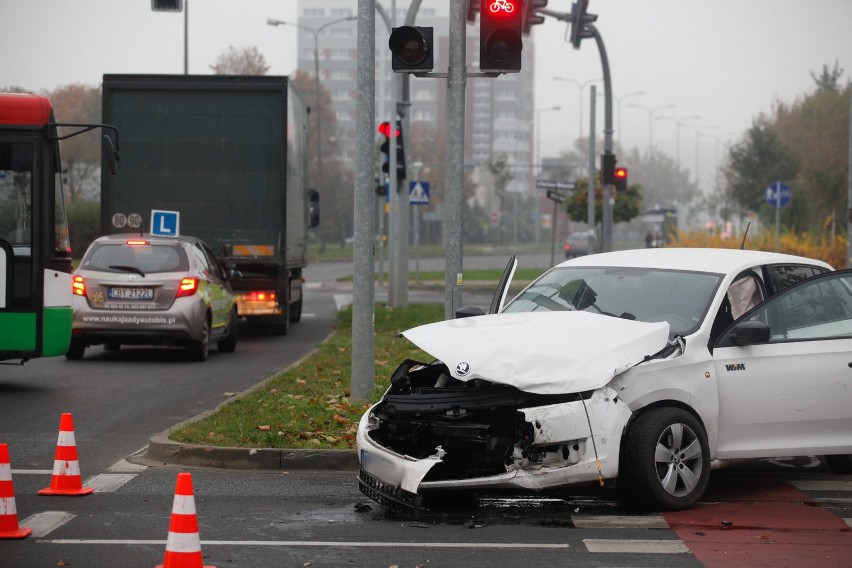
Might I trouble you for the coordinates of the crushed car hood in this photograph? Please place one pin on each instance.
(541, 352)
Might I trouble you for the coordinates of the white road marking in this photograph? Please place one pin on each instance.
(312, 285)
(32, 471)
(308, 543)
(124, 466)
(46, 522)
(848, 522)
(821, 485)
(108, 482)
(636, 546)
(306, 315)
(619, 522)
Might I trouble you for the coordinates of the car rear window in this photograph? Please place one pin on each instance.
(149, 258)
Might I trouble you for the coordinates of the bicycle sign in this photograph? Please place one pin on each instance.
(502, 6)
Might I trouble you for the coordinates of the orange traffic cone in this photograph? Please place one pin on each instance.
(66, 469)
(183, 546)
(8, 512)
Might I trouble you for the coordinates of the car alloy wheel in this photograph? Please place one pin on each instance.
(667, 459)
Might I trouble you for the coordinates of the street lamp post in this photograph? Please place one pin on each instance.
(317, 111)
(651, 111)
(538, 112)
(618, 101)
(679, 122)
(580, 87)
(698, 133)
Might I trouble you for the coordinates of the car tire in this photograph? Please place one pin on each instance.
(296, 312)
(666, 459)
(200, 349)
(75, 350)
(840, 463)
(229, 344)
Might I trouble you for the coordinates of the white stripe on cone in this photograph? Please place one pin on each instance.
(184, 505)
(5, 472)
(63, 467)
(7, 506)
(183, 542)
(66, 439)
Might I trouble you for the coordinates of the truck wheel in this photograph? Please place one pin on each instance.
(840, 463)
(229, 344)
(296, 311)
(199, 350)
(666, 459)
(75, 350)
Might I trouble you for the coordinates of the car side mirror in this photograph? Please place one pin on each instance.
(750, 332)
(313, 209)
(469, 311)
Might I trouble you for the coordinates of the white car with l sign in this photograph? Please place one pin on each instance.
(648, 366)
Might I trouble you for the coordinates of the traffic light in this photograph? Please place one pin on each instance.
(412, 50)
(385, 130)
(621, 179)
(167, 5)
(531, 18)
(608, 168)
(500, 44)
(579, 19)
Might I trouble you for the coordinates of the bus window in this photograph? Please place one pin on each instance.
(16, 199)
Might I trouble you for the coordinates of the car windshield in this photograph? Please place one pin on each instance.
(148, 259)
(645, 294)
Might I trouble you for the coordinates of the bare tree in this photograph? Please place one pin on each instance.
(244, 61)
(81, 154)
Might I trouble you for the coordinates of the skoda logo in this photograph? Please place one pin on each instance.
(130, 277)
(462, 368)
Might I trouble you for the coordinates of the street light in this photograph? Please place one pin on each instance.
(679, 122)
(651, 111)
(698, 133)
(538, 112)
(317, 111)
(618, 101)
(580, 86)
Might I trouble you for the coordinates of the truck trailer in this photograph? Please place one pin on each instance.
(228, 154)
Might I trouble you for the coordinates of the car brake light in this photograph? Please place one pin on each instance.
(262, 296)
(567, 246)
(78, 286)
(187, 287)
(137, 243)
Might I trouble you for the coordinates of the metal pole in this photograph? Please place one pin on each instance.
(186, 37)
(456, 81)
(607, 188)
(849, 187)
(363, 300)
(591, 195)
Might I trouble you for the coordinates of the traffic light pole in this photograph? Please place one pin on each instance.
(606, 228)
(456, 83)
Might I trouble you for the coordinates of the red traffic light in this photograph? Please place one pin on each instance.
(385, 130)
(620, 173)
(500, 42)
(621, 179)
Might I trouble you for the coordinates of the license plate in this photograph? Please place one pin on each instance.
(131, 293)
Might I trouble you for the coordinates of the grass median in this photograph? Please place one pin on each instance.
(308, 406)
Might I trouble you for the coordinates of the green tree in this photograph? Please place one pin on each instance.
(243, 61)
(627, 203)
(501, 176)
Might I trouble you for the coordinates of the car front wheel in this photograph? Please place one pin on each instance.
(666, 459)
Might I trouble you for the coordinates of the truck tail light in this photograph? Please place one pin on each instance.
(187, 287)
(78, 286)
(263, 296)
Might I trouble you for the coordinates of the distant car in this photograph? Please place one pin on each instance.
(646, 368)
(148, 290)
(576, 244)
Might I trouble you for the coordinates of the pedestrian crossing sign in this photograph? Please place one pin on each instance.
(418, 193)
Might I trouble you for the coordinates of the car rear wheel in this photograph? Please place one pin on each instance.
(75, 350)
(666, 459)
(229, 344)
(200, 349)
(112, 346)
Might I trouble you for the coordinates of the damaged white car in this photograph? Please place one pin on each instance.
(649, 366)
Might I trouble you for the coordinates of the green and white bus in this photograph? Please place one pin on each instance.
(35, 251)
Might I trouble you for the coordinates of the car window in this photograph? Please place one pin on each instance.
(818, 308)
(213, 262)
(651, 295)
(201, 258)
(782, 276)
(150, 258)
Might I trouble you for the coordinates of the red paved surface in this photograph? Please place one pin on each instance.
(762, 521)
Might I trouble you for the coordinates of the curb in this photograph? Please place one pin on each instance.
(162, 449)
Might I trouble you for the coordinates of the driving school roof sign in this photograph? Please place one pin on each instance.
(165, 223)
